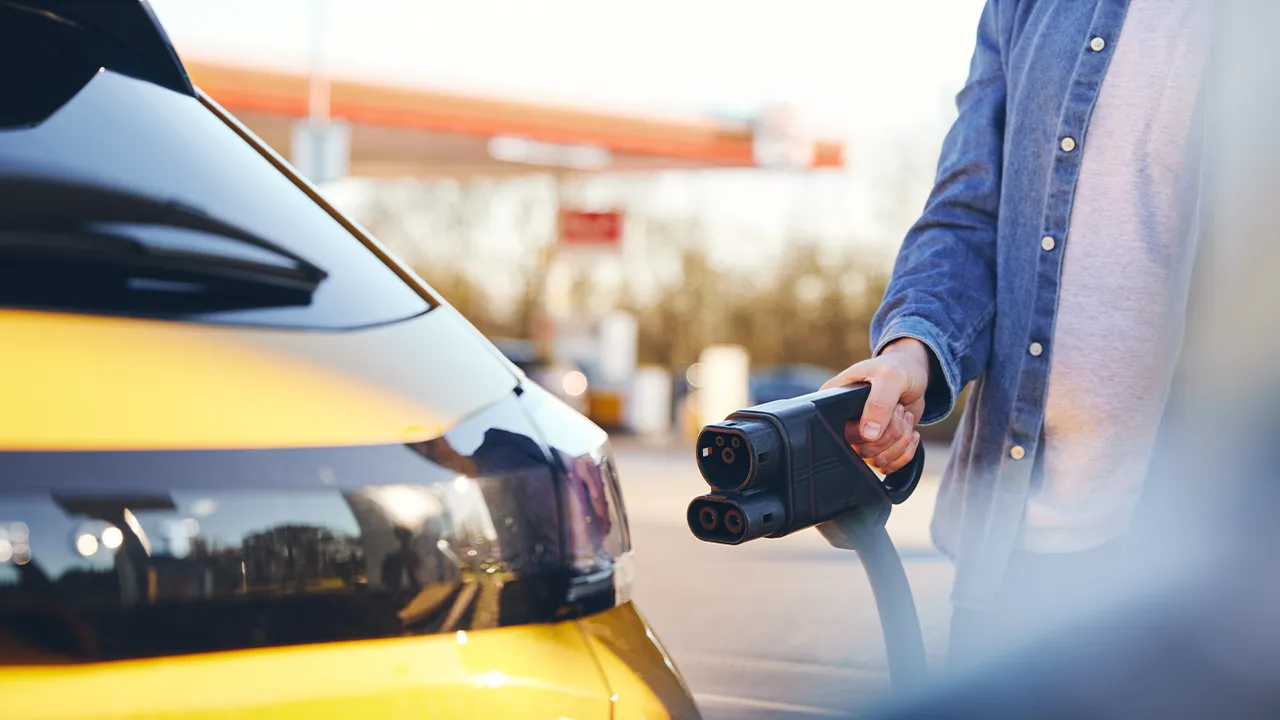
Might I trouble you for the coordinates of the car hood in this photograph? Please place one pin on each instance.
(77, 382)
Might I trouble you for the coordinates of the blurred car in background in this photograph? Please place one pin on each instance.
(780, 382)
(250, 465)
(567, 381)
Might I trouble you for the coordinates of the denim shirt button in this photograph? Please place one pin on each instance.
(1036, 349)
(1068, 144)
(1047, 243)
(1097, 44)
(1017, 452)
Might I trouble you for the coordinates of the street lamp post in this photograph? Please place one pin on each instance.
(318, 91)
(321, 146)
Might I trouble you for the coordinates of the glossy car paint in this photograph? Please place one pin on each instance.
(146, 384)
(525, 672)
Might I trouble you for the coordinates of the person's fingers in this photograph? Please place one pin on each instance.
(897, 428)
(853, 432)
(916, 409)
(879, 427)
(855, 373)
(889, 452)
(904, 457)
(887, 384)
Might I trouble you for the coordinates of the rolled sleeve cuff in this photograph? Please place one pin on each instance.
(940, 398)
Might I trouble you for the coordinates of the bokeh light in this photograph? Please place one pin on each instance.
(86, 544)
(574, 383)
(693, 375)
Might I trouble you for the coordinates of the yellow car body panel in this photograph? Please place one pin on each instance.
(77, 382)
(538, 671)
(645, 682)
(606, 666)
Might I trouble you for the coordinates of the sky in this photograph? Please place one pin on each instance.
(849, 65)
(878, 75)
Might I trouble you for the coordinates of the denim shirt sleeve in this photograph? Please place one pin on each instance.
(943, 287)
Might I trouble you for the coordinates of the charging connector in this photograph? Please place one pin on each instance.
(784, 466)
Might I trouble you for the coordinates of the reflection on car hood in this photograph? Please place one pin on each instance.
(90, 383)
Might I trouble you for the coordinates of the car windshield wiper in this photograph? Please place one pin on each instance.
(84, 248)
(30, 204)
(156, 249)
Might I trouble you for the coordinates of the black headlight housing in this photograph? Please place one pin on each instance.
(513, 517)
(597, 551)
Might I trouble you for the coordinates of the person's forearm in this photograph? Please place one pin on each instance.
(942, 292)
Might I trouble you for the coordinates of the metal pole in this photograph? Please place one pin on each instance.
(545, 325)
(318, 95)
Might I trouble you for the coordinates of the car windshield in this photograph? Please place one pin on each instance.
(121, 196)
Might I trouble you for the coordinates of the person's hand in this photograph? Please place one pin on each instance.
(885, 436)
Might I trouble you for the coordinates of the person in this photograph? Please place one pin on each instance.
(1050, 268)
(1200, 639)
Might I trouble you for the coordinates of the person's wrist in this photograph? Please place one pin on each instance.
(911, 352)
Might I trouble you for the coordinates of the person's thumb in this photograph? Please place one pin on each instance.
(886, 390)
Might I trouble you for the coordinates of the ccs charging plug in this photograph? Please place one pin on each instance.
(784, 466)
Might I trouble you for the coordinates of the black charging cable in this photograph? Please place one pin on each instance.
(863, 531)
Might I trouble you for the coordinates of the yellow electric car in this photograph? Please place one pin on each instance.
(252, 467)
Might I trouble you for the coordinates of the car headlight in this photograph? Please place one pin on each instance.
(513, 517)
(598, 539)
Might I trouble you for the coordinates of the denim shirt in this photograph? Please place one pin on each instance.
(976, 279)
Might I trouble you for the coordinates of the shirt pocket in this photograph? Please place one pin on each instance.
(1171, 128)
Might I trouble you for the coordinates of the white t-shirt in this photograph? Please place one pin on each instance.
(1123, 289)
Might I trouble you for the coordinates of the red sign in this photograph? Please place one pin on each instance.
(594, 229)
